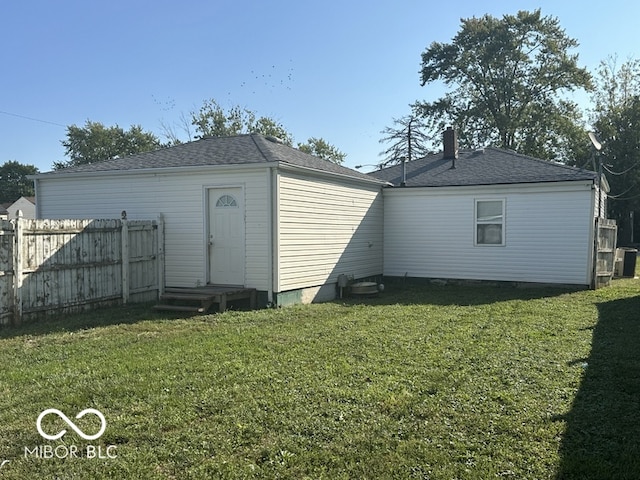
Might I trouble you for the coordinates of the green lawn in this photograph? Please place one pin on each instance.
(424, 382)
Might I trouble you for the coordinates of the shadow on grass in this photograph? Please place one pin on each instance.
(602, 440)
(416, 291)
(73, 322)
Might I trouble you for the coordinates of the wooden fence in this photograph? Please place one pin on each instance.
(605, 251)
(61, 266)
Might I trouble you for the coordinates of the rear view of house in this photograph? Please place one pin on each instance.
(248, 211)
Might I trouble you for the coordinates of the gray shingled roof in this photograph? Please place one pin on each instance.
(234, 150)
(488, 166)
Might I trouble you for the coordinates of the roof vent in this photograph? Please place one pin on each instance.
(273, 139)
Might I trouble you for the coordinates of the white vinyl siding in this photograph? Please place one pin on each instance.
(327, 228)
(430, 232)
(181, 199)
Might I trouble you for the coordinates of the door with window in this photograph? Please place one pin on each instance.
(226, 236)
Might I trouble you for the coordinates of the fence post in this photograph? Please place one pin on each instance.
(17, 268)
(125, 258)
(160, 255)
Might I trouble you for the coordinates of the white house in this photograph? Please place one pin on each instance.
(490, 214)
(249, 211)
(26, 205)
(243, 210)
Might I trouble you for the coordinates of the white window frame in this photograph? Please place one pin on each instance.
(477, 222)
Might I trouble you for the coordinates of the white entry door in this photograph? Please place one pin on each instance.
(226, 236)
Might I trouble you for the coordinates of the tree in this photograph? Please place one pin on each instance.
(617, 124)
(408, 140)
(14, 182)
(320, 148)
(508, 76)
(213, 121)
(95, 143)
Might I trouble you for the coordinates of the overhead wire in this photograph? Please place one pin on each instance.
(621, 173)
(32, 119)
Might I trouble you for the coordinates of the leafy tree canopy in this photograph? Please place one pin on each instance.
(14, 182)
(617, 124)
(507, 77)
(320, 148)
(95, 143)
(212, 120)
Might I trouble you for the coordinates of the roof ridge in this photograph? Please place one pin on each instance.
(253, 139)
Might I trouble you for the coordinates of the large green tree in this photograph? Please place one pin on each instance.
(617, 124)
(320, 148)
(212, 120)
(507, 77)
(95, 142)
(14, 182)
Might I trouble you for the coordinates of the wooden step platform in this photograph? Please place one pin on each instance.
(200, 299)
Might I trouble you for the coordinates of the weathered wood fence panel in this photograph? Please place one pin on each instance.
(607, 233)
(6, 271)
(59, 266)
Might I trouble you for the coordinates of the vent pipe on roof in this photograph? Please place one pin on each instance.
(403, 182)
(273, 139)
(450, 140)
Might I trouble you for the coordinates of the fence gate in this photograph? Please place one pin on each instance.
(605, 251)
(60, 266)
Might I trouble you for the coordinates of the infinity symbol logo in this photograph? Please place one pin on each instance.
(103, 424)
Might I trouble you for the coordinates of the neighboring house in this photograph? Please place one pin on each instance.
(490, 214)
(243, 210)
(26, 205)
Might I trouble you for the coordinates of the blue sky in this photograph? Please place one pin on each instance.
(340, 70)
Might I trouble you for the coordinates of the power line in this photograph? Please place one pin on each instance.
(621, 173)
(32, 119)
(621, 195)
(617, 197)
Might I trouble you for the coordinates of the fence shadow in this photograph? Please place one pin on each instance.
(602, 439)
(102, 317)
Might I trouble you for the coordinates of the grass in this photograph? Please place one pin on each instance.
(427, 382)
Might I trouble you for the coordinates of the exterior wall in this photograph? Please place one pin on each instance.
(326, 228)
(28, 209)
(429, 232)
(181, 197)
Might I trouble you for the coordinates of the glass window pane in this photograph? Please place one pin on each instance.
(489, 211)
(226, 201)
(489, 234)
